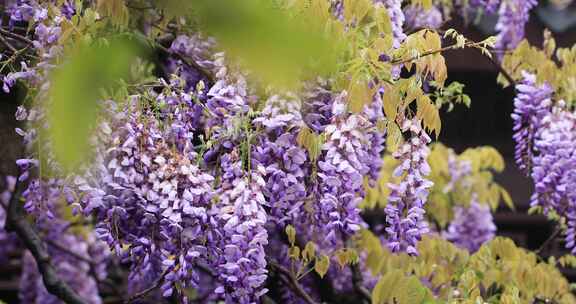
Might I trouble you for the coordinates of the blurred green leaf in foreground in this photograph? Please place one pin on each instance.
(75, 90)
(278, 42)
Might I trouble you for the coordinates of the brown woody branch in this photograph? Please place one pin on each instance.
(357, 281)
(186, 61)
(290, 279)
(440, 50)
(15, 36)
(549, 240)
(8, 44)
(16, 221)
(148, 290)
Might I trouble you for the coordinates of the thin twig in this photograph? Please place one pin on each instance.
(190, 63)
(15, 36)
(440, 50)
(502, 70)
(8, 44)
(17, 222)
(69, 252)
(90, 263)
(148, 290)
(358, 283)
(549, 240)
(291, 280)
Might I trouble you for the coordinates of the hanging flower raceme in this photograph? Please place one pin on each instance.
(397, 18)
(405, 210)
(287, 164)
(489, 6)
(376, 137)
(341, 170)
(317, 107)
(555, 182)
(418, 18)
(513, 16)
(394, 8)
(242, 264)
(150, 193)
(472, 226)
(531, 104)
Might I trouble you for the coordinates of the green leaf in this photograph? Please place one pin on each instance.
(291, 233)
(309, 252)
(75, 90)
(507, 198)
(311, 141)
(388, 284)
(322, 264)
(277, 43)
(115, 10)
(413, 292)
(294, 252)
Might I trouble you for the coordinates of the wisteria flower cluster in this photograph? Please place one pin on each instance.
(513, 16)
(405, 212)
(554, 182)
(207, 184)
(531, 104)
(544, 131)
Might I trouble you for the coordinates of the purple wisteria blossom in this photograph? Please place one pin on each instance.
(317, 107)
(154, 197)
(374, 113)
(195, 48)
(68, 9)
(471, 227)
(419, 18)
(531, 104)
(405, 210)
(287, 164)
(340, 176)
(242, 265)
(513, 16)
(489, 6)
(555, 182)
(397, 18)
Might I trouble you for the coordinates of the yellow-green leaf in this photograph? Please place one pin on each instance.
(291, 233)
(428, 112)
(75, 89)
(322, 264)
(294, 252)
(309, 252)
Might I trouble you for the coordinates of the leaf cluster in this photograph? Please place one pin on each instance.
(499, 272)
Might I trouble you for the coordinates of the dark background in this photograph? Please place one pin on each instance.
(487, 122)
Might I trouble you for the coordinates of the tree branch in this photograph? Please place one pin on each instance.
(548, 240)
(357, 282)
(502, 70)
(69, 252)
(190, 63)
(440, 50)
(15, 36)
(289, 279)
(16, 221)
(90, 263)
(8, 44)
(148, 290)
